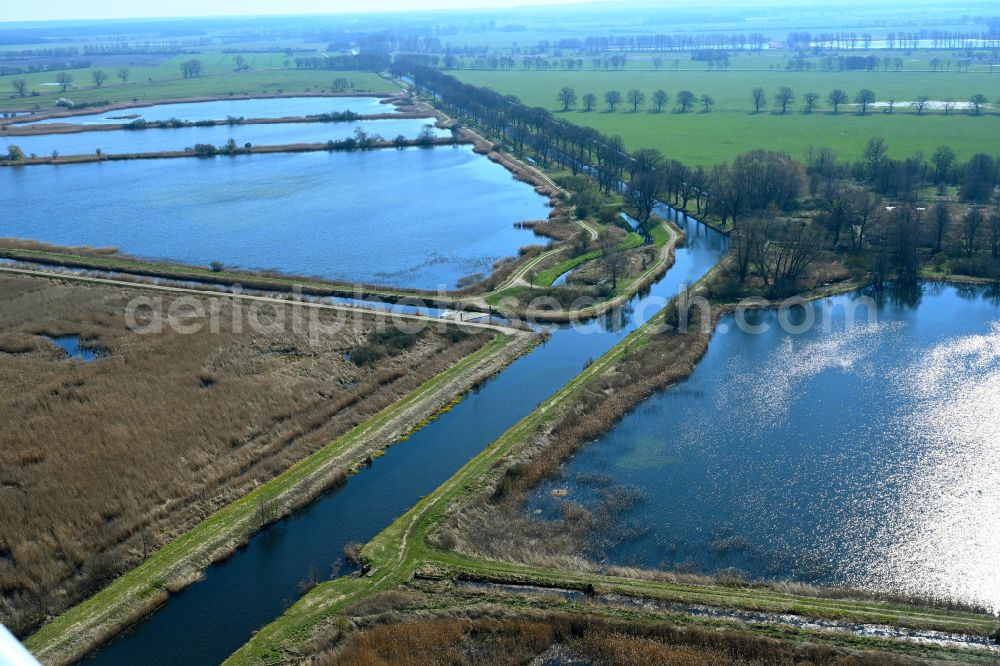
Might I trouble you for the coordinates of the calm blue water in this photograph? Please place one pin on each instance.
(71, 344)
(153, 140)
(862, 456)
(275, 107)
(382, 216)
(208, 621)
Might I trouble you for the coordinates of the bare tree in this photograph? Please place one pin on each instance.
(971, 224)
(759, 99)
(948, 105)
(921, 103)
(567, 97)
(20, 87)
(642, 195)
(836, 98)
(267, 512)
(874, 155)
(589, 100)
(191, 69)
(977, 102)
(646, 160)
(124, 75)
(614, 260)
(660, 99)
(864, 99)
(65, 80)
(147, 542)
(706, 103)
(995, 234)
(784, 97)
(685, 100)
(636, 98)
(612, 98)
(941, 217)
(866, 213)
(943, 160)
(812, 101)
(99, 76)
(746, 241)
(657, 62)
(14, 153)
(788, 251)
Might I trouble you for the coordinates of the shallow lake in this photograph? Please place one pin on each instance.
(862, 456)
(394, 217)
(155, 140)
(272, 107)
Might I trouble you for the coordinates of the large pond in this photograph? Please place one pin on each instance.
(419, 218)
(271, 107)
(862, 455)
(156, 140)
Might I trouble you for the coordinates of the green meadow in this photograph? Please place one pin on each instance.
(164, 80)
(732, 126)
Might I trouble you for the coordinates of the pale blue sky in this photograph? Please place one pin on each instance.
(55, 10)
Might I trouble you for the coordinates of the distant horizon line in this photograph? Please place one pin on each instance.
(501, 6)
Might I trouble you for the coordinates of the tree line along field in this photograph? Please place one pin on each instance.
(732, 127)
(166, 81)
(105, 461)
(821, 60)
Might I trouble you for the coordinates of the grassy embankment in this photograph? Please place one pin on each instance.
(102, 261)
(130, 597)
(403, 548)
(731, 128)
(12, 131)
(659, 233)
(254, 150)
(665, 237)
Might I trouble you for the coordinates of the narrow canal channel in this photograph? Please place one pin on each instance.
(210, 620)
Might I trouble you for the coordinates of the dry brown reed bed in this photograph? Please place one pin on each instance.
(536, 637)
(104, 461)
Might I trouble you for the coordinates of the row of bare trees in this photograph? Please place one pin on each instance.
(976, 179)
(635, 100)
(65, 80)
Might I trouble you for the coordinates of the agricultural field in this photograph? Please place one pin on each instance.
(164, 80)
(176, 424)
(732, 127)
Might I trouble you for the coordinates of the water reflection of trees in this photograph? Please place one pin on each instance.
(901, 294)
(909, 295)
(616, 319)
(974, 292)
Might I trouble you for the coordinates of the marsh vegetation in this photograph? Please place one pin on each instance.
(105, 461)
